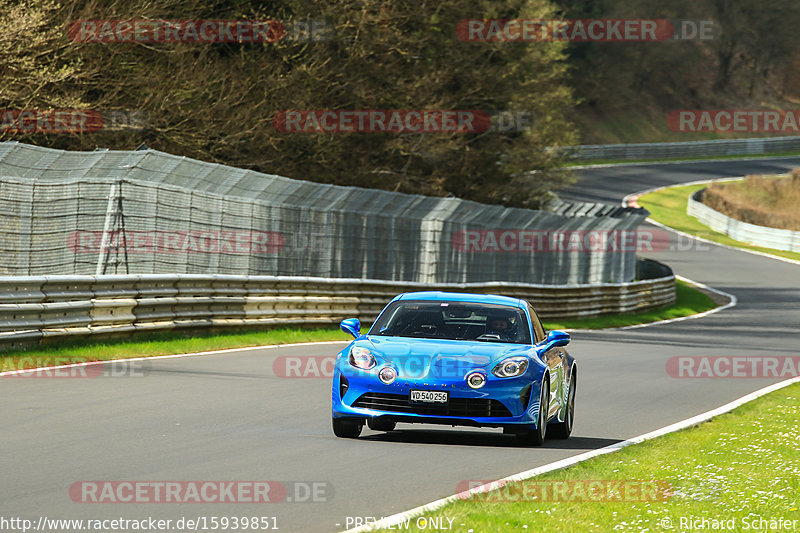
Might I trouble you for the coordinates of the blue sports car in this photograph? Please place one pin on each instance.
(455, 359)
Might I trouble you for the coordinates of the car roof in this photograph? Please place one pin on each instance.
(462, 297)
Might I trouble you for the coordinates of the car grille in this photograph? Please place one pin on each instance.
(466, 407)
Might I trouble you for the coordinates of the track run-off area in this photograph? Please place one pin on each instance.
(228, 417)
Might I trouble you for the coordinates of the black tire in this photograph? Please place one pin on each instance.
(562, 430)
(535, 437)
(346, 429)
(376, 424)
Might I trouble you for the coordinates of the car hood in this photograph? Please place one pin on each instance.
(438, 358)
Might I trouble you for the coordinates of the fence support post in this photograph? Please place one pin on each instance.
(111, 211)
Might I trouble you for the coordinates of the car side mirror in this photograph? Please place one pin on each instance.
(351, 326)
(556, 338)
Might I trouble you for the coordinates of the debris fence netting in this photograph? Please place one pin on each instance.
(147, 212)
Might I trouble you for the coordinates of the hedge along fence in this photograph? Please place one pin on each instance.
(779, 239)
(40, 307)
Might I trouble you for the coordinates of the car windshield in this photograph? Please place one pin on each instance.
(453, 321)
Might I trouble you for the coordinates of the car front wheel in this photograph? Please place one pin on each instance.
(376, 424)
(562, 430)
(346, 429)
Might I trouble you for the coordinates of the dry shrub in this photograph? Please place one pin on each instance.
(758, 200)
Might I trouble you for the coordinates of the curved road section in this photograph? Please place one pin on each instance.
(230, 418)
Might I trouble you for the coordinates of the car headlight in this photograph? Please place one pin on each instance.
(513, 366)
(362, 358)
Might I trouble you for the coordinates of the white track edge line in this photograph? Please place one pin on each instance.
(570, 461)
(169, 356)
(732, 301)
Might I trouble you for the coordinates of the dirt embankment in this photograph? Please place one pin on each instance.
(772, 202)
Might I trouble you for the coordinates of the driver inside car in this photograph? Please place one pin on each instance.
(500, 326)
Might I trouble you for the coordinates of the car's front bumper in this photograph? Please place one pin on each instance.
(499, 403)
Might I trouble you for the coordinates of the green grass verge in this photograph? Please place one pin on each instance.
(673, 159)
(740, 466)
(668, 206)
(689, 301)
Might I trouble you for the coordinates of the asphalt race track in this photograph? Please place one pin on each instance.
(228, 417)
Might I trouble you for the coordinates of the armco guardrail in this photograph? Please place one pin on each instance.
(37, 307)
(633, 152)
(779, 239)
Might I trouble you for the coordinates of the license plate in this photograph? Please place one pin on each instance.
(429, 396)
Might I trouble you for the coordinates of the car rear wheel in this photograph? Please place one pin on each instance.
(562, 430)
(535, 437)
(376, 424)
(346, 429)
